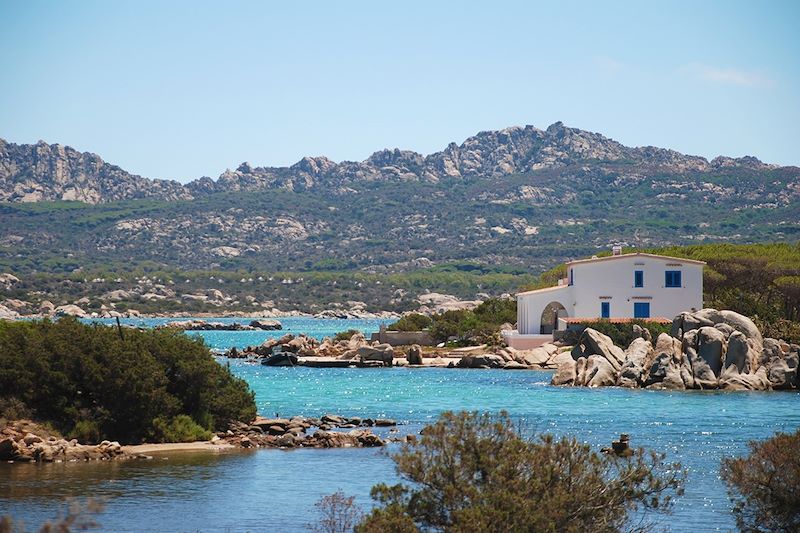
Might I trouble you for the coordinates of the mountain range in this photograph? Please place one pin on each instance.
(49, 172)
(521, 198)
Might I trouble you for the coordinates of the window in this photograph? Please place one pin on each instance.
(672, 278)
(605, 310)
(641, 310)
(571, 276)
(638, 278)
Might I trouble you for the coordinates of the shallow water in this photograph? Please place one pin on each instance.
(273, 490)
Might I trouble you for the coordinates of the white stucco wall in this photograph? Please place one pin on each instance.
(612, 280)
(531, 305)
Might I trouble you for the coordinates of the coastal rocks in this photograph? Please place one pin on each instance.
(637, 356)
(69, 310)
(595, 372)
(202, 325)
(566, 374)
(433, 302)
(296, 432)
(47, 308)
(708, 349)
(481, 361)
(25, 441)
(783, 373)
(592, 342)
(266, 325)
(414, 355)
(382, 353)
(7, 314)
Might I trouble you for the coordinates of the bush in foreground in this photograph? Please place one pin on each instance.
(97, 382)
(764, 486)
(476, 472)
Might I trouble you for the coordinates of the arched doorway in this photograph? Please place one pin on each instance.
(550, 315)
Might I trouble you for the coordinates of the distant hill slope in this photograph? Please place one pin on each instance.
(522, 196)
(30, 173)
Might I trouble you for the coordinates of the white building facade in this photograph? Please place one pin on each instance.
(634, 285)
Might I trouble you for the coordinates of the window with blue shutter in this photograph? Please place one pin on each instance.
(605, 310)
(672, 278)
(638, 278)
(641, 310)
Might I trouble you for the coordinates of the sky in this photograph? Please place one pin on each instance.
(184, 89)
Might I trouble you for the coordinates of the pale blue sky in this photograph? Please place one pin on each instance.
(183, 89)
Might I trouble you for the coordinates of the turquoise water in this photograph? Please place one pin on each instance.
(273, 490)
(223, 340)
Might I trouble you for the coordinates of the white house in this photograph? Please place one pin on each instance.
(619, 286)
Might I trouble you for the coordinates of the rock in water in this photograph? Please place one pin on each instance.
(565, 373)
(414, 355)
(592, 342)
(599, 372)
(637, 356)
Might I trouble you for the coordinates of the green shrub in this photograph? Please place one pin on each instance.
(620, 333)
(179, 429)
(67, 373)
(476, 472)
(345, 335)
(411, 322)
(763, 485)
(86, 431)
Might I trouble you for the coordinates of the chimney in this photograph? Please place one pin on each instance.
(616, 250)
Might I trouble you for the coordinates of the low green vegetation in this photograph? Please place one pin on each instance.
(95, 382)
(345, 335)
(464, 327)
(764, 486)
(477, 472)
(621, 333)
(412, 322)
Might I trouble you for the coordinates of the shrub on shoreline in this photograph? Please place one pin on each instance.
(98, 382)
(764, 486)
(476, 472)
(468, 327)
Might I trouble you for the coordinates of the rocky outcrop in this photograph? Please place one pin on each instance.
(202, 325)
(708, 349)
(592, 342)
(481, 361)
(39, 172)
(414, 355)
(305, 432)
(380, 353)
(7, 314)
(47, 172)
(70, 310)
(25, 441)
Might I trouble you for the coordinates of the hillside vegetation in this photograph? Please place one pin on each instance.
(521, 196)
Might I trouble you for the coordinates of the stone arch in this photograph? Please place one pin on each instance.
(550, 315)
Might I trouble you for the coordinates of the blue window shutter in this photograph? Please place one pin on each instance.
(672, 278)
(641, 310)
(638, 278)
(605, 310)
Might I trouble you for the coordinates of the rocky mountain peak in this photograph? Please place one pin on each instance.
(56, 172)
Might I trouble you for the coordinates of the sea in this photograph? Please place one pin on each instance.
(276, 490)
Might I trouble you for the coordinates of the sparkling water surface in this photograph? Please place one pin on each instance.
(275, 490)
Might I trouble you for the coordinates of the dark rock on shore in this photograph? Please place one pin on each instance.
(708, 349)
